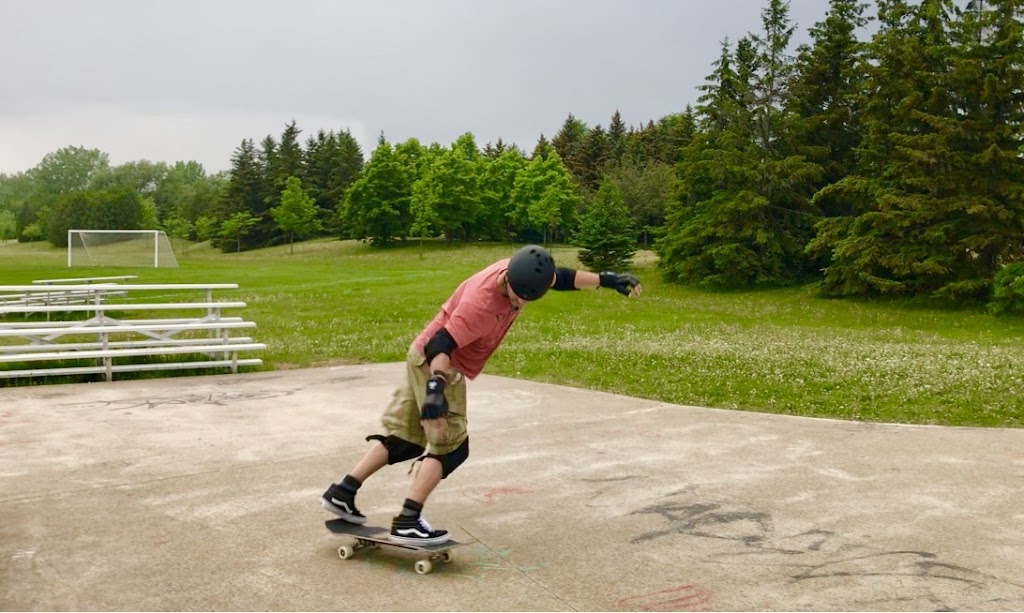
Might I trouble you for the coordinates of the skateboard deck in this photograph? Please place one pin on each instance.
(373, 537)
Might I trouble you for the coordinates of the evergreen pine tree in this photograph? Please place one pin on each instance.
(931, 222)
(616, 138)
(824, 94)
(606, 236)
(541, 148)
(744, 217)
(592, 158)
(243, 194)
(987, 134)
(568, 142)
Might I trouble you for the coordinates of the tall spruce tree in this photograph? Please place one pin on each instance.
(988, 134)
(774, 69)
(290, 160)
(616, 138)
(824, 95)
(568, 143)
(333, 161)
(542, 147)
(931, 222)
(243, 195)
(593, 157)
(744, 217)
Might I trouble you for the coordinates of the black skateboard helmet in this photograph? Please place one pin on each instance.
(530, 272)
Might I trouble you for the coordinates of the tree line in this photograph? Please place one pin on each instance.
(887, 166)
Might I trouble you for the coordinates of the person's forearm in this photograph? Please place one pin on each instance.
(587, 280)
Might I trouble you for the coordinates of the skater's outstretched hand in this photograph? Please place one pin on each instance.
(623, 282)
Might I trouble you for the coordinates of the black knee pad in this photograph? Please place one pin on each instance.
(451, 461)
(399, 450)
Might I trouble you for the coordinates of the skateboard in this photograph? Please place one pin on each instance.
(373, 537)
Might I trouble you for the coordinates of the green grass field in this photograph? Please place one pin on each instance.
(780, 351)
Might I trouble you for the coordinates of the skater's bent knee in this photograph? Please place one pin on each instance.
(451, 461)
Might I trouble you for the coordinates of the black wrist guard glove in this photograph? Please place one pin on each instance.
(434, 405)
(622, 282)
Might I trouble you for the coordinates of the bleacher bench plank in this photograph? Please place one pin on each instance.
(128, 352)
(126, 306)
(149, 342)
(121, 368)
(121, 327)
(84, 280)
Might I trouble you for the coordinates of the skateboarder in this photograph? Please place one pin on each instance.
(427, 413)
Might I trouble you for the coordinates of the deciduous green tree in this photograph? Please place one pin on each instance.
(446, 197)
(648, 191)
(544, 197)
(8, 225)
(297, 212)
(497, 182)
(121, 208)
(238, 226)
(377, 205)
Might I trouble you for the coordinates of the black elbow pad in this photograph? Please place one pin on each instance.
(565, 279)
(441, 342)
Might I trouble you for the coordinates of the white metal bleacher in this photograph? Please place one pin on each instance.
(106, 333)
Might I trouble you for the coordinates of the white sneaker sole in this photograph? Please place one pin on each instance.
(415, 541)
(352, 519)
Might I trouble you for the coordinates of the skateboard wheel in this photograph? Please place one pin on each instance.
(447, 557)
(345, 552)
(423, 567)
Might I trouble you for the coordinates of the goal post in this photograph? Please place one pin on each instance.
(128, 248)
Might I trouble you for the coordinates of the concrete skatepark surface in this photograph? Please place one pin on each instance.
(201, 493)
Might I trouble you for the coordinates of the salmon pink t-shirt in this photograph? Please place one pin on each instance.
(477, 316)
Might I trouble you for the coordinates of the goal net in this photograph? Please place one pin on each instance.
(130, 248)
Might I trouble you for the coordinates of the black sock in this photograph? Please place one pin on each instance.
(350, 484)
(411, 508)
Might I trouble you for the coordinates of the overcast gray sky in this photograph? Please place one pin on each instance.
(177, 80)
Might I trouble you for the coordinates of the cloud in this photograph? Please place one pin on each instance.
(189, 79)
(203, 135)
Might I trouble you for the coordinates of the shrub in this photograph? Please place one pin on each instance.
(1008, 290)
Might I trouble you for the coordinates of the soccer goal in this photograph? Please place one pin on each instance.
(134, 248)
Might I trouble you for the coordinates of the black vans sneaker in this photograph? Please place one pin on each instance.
(342, 503)
(409, 530)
